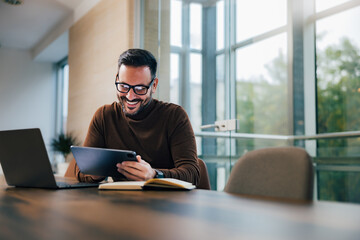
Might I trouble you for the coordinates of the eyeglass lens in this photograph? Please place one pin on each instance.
(125, 88)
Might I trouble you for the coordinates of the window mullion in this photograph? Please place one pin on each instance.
(185, 58)
(309, 76)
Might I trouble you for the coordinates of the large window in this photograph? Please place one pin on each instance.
(186, 58)
(280, 67)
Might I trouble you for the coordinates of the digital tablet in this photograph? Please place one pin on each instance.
(101, 161)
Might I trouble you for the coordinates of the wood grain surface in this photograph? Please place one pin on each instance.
(198, 214)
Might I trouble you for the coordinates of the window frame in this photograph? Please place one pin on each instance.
(59, 121)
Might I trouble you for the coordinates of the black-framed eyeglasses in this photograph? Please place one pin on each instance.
(138, 89)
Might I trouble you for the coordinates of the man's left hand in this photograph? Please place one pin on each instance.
(136, 171)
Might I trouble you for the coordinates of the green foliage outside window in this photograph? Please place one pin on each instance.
(338, 77)
(339, 186)
(338, 110)
(260, 105)
(338, 81)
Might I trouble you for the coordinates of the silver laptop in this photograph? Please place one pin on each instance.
(25, 161)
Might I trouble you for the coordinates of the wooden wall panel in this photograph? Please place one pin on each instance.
(95, 43)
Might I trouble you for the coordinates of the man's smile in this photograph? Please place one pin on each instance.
(131, 104)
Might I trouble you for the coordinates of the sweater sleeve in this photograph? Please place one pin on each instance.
(94, 138)
(183, 149)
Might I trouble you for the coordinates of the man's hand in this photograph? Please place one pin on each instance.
(136, 171)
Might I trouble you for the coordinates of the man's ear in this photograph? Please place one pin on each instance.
(154, 85)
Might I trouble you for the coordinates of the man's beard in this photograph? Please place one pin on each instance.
(143, 104)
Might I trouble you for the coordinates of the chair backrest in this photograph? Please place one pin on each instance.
(71, 171)
(281, 172)
(204, 182)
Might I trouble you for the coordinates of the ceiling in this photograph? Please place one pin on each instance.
(40, 26)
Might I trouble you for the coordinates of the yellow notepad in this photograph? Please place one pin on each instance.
(155, 183)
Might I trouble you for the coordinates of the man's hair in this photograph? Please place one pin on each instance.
(137, 58)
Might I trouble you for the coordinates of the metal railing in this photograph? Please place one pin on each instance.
(277, 137)
(342, 166)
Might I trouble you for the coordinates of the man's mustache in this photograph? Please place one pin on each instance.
(134, 100)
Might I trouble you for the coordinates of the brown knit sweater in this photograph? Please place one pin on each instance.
(161, 134)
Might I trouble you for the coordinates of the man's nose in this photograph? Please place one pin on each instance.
(131, 94)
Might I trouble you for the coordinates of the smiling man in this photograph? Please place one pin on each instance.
(136, 100)
(160, 133)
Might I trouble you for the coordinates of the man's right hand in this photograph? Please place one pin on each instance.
(136, 171)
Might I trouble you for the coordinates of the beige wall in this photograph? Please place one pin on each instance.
(95, 43)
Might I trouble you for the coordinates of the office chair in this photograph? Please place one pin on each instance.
(204, 182)
(280, 172)
(70, 172)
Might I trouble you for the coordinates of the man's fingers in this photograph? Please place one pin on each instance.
(140, 170)
(129, 175)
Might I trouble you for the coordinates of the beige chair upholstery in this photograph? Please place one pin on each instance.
(283, 172)
(204, 182)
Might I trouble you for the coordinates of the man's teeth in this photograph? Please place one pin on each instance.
(132, 103)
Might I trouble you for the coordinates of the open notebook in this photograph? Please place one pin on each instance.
(155, 184)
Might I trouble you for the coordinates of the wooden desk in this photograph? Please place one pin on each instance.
(197, 214)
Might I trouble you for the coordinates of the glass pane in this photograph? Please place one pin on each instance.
(261, 90)
(174, 78)
(65, 96)
(332, 30)
(220, 100)
(259, 16)
(220, 34)
(338, 81)
(338, 186)
(321, 5)
(196, 96)
(176, 23)
(195, 26)
(195, 89)
(220, 88)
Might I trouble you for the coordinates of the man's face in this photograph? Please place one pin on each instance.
(131, 102)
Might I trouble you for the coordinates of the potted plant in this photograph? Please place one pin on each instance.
(61, 144)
